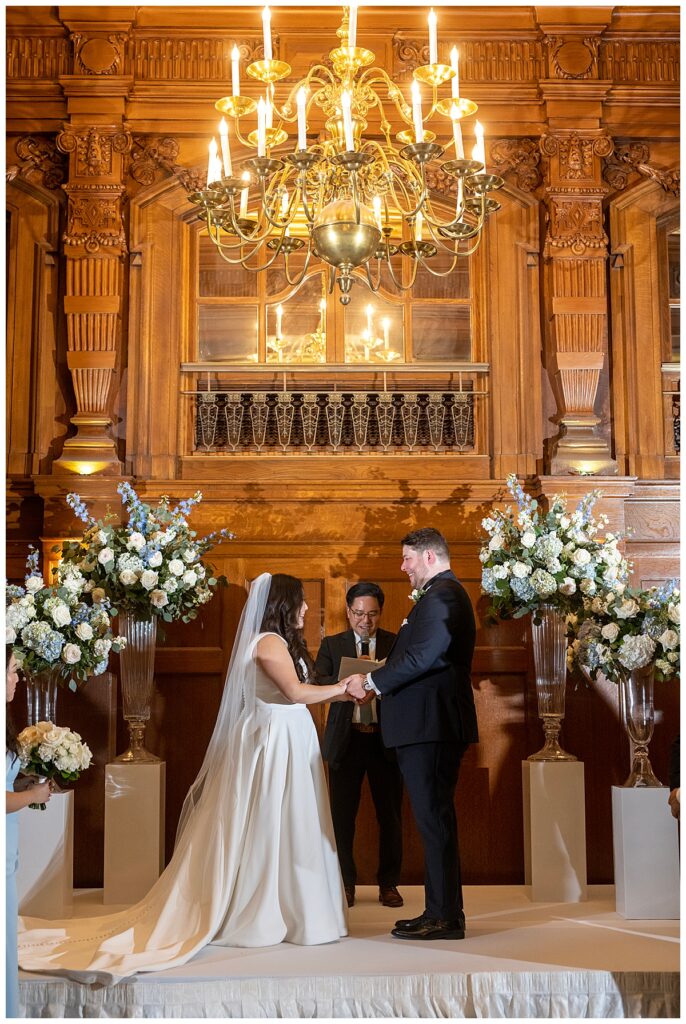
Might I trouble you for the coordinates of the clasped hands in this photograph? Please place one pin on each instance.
(354, 689)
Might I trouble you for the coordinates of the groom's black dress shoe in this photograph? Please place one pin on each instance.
(426, 928)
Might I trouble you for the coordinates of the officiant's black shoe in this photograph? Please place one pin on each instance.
(350, 894)
(433, 928)
(389, 896)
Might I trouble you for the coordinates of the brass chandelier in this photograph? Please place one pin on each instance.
(352, 202)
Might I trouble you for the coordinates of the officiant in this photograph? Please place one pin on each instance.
(353, 748)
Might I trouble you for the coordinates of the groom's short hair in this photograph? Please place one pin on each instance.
(427, 539)
(364, 589)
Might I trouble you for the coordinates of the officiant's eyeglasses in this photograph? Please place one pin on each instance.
(362, 614)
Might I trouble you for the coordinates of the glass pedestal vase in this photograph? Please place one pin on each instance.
(137, 663)
(549, 635)
(639, 715)
(41, 696)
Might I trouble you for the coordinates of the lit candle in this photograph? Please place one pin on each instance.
(418, 227)
(386, 326)
(455, 65)
(479, 151)
(302, 126)
(352, 24)
(370, 312)
(347, 121)
(433, 38)
(235, 80)
(417, 112)
(376, 203)
(267, 33)
(211, 163)
(457, 132)
(279, 315)
(226, 152)
(244, 197)
(261, 128)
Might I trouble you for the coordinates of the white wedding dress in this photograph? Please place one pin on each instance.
(255, 862)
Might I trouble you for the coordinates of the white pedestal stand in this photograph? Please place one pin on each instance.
(554, 831)
(134, 830)
(645, 840)
(45, 878)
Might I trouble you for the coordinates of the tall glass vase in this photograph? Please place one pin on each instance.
(137, 662)
(638, 713)
(41, 695)
(550, 657)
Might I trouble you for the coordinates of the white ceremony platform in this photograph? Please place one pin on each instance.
(520, 959)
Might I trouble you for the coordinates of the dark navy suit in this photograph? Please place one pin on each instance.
(429, 718)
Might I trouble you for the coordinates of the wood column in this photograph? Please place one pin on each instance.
(576, 252)
(96, 140)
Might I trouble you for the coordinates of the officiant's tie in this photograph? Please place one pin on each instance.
(366, 717)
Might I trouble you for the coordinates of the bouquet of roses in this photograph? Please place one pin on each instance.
(557, 557)
(59, 627)
(614, 635)
(151, 565)
(52, 751)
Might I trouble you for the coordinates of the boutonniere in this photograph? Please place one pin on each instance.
(417, 594)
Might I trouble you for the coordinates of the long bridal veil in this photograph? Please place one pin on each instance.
(238, 700)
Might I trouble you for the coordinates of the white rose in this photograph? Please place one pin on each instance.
(136, 542)
(176, 567)
(71, 653)
(106, 555)
(159, 598)
(84, 631)
(10, 635)
(581, 556)
(567, 587)
(495, 543)
(669, 639)
(528, 539)
(610, 631)
(34, 583)
(149, 579)
(127, 577)
(190, 578)
(155, 559)
(520, 570)
(98, 595)
(61, 615)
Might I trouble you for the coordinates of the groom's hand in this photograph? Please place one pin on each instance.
(355, 687)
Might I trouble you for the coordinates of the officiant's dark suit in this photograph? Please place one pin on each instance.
(353, 748)
(430, 719)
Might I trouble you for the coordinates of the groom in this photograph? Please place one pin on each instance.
(430, 719)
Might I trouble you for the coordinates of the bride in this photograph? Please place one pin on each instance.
(255, 860)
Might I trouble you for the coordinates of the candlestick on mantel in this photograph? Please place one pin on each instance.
(267, 33)
(433, 38)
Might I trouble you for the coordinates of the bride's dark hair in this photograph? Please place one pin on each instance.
(286, 596)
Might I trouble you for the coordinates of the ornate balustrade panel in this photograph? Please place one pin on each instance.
(240, 422)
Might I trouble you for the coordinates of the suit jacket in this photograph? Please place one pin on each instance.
(338, 726)
(426, 683)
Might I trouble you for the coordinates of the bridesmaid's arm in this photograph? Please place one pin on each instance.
(273, 658)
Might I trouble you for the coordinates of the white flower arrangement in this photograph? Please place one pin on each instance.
(52, 751)
(531, 557)
(59, 627)
(151, 565)
(614, 636)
